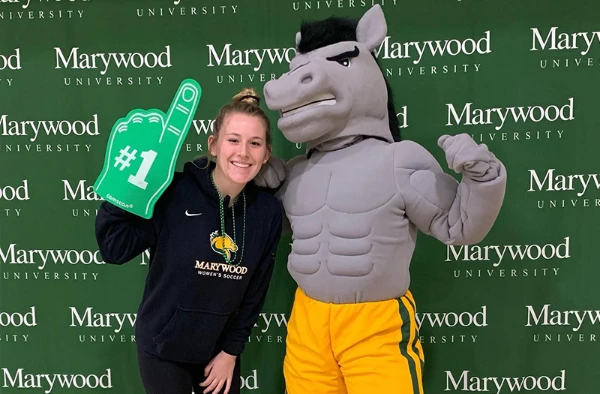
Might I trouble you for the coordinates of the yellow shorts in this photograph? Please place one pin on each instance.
(360, 348)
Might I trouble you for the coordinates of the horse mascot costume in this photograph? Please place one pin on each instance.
(355, 202)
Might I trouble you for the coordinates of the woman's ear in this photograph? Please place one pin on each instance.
(210, 142)
(268, 154)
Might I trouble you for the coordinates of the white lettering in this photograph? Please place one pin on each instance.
(551, 182)
(498, 116)
(47, 381)
(561, 318)
(49, 127)
(82, 192)
(248, 57)
(18, 319)
(497, 384)
(452, 319)
(12, 62)
(104, 61)
(562, 41)
(496, 253)
(250, 382)
(9, 193)
(90, 319)
(453, 47)
(57, 256)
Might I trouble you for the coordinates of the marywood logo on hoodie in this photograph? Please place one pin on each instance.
(221, 270)
(54, 382)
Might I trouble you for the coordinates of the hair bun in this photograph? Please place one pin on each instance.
(247, 95)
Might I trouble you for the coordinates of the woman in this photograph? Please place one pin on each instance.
(212, 240)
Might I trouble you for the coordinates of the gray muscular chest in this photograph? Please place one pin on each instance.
(338, 203)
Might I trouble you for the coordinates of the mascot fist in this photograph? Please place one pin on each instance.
(463, 154)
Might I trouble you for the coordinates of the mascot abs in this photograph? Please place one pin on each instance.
(355, 202)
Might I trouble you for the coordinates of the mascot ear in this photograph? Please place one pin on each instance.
(298, 39)
(372, 28)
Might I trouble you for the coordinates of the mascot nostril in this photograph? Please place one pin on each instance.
(356, 201)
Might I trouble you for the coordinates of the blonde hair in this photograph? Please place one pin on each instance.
(245, 102)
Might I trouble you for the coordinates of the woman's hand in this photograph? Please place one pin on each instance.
(219, 372)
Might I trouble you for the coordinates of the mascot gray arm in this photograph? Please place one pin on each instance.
(271, 176)
(454, 213)
(286, 226)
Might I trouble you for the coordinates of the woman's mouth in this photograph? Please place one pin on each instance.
(240, 165)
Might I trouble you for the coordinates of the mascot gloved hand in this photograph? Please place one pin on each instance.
(463, 154)
(272, 173)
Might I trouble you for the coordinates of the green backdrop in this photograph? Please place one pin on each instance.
(516, 313)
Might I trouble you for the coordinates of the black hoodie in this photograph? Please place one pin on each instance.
(194, 303)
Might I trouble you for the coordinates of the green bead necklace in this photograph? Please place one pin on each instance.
(222, 217)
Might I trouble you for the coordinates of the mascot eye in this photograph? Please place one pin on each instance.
(344, 62)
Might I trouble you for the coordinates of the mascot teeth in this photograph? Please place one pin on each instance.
(323, 99)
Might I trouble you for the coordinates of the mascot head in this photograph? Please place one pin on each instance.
(335, 89)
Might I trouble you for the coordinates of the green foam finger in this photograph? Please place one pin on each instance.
(121, 126)
(182, 109)
(142, 151)
(124, 179)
